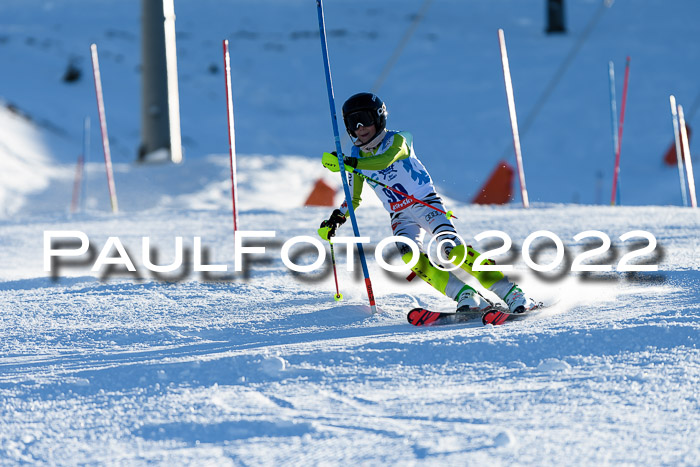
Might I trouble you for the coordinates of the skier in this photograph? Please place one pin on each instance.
(388, 156)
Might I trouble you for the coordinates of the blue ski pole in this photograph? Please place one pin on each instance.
(339, 151)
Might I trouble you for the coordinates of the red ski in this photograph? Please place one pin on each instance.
(423, 317)
(495, 316)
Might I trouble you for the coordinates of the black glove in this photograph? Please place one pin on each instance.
(350, 161)
(336, 220)
(347, 160)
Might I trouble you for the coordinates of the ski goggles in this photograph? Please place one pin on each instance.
(360, 118)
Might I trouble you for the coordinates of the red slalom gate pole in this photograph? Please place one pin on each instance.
(103, 128)
(231, 136)
(616, 173)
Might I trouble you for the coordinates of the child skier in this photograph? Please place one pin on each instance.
(388, 156)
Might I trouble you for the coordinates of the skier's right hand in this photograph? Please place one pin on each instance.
(329, 226)
(330, 161)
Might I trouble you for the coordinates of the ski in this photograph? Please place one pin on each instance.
(498, 317)
(495, 316)
(423, 317)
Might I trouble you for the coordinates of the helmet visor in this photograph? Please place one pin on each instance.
(357, 119)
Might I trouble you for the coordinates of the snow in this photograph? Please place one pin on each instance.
(25, 161)
(263, 366)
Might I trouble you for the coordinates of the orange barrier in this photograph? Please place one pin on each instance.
(670, 156)
(322, 195)
(499, 187)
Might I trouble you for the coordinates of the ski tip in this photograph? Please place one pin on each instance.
(422, 317)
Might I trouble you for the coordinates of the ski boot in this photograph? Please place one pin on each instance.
(471, 301)
(518, 302)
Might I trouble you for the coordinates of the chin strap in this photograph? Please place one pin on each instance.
(376, 141)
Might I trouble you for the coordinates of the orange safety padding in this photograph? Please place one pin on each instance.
(670, 156)
(322, 195)
(498, 189)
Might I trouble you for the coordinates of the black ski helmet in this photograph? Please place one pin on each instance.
(364, 109)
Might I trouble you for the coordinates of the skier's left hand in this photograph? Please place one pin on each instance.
(328, 227)
(330, 161)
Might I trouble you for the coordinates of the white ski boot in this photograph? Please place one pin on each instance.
(470, 301)
(518, 302)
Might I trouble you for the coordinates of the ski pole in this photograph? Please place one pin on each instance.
(449, 214)
(339, 149)
(338, 296)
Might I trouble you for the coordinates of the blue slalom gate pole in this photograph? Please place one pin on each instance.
(339, 150)
(613, 116)
(679, 152)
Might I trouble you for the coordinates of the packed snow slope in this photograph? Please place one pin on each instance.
(446, 86)
(263, 367)
(102, 365)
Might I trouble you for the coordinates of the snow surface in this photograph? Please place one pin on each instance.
(263, 366)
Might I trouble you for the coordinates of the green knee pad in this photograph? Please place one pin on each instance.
(429, 273)
(485, 278)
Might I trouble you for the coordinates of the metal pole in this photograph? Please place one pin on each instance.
(103, 128)
(231, 135)
(513, 118)
(679, 152)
